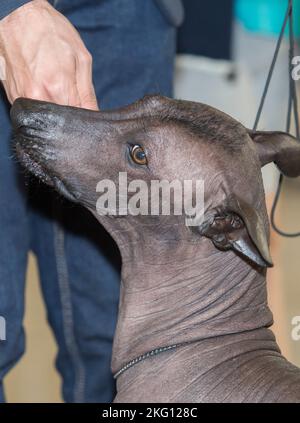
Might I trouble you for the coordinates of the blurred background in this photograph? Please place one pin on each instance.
(225, 48)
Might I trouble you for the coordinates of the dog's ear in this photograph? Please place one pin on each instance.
(240, 228)
(279, 147)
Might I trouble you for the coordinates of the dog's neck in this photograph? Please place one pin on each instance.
(175, 292)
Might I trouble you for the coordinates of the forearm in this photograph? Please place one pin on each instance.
(8, 6)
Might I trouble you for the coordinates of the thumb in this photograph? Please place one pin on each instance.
(85, 85)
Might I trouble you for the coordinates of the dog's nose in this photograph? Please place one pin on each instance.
(25, 112)
(27, 115)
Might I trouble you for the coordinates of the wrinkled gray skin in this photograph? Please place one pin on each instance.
(203, 285)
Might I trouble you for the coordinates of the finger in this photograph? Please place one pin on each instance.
(64, 92)
(9, 94)
(85, 82)
(74, 99)
(10, 89)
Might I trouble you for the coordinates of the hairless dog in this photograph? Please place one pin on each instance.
(193, 321)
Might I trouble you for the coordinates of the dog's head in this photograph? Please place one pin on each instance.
(158, 139)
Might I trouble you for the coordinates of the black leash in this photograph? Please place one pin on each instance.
(152, 353)
(292, 105)
(143, 357)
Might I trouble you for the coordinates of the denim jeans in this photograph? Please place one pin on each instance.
(133, 47)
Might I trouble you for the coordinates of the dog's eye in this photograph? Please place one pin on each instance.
(138, 155)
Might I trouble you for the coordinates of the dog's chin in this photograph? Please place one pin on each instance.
(40, 171)
(32, 165)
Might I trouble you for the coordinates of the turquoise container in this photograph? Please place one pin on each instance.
(266, 16)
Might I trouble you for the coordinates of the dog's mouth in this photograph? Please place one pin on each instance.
(34, 165)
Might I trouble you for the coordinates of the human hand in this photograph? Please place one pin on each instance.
(45, 58)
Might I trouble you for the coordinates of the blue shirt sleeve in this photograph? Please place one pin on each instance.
(8, 6)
